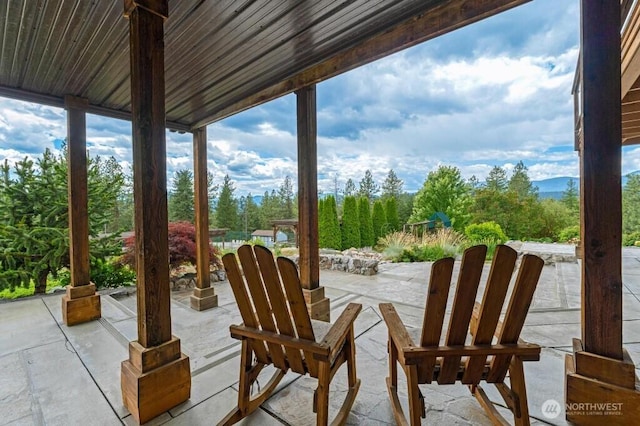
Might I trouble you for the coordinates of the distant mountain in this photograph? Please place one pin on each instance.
(554, 187)
(556, 184)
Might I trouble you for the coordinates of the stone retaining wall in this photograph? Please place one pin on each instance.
(351, 261)
(188, 280)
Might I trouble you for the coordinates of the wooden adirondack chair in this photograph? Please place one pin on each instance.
(277, 330)
(494, 346)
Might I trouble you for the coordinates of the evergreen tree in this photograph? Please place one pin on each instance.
(181, 200)
(323, 224)
(366, 225)
(349, 188)
(350, 224)
(285, 195)
(379, 221)
(335, 238)
(631, 204)
(405, 208)
(270, 209)
(445, 191)
(34, 221)
(520, 182)
(336, 188)
(497, 179)
(571, 199)
(251, 214)
(392, 185)
(391, 213)
(227, 207)
(368, 187)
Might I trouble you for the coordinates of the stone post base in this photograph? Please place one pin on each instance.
(80, 304)
(203, 299)
(600, 390)
(154, 380)
(317, 305)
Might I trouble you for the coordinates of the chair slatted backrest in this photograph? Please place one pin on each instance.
(485, 327)
(271, 279)
(521, 297)
(463, 302)
(277, 310)
(502, 267)
(260, 301)
(298, 307)
(439, 284)
(239, 288)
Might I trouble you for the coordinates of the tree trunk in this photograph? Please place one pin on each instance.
(41, 283)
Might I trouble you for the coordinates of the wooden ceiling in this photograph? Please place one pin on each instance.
(222, 56)
(630, 68)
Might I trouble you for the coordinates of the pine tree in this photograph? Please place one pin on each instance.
(285, 195)
(368, 187)
(349, 188)
(366, 226)
(379, 221)
(269, 209)
(181, 200)
(392, 185)
(497, 179)
(227, 208)
(391, 213)
(350, 224)
(520, 182)
(571, 199)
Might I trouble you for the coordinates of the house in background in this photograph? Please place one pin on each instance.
(266, 235)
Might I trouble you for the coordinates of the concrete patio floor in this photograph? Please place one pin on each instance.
(58, 375)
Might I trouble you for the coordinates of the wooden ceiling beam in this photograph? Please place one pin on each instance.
(441, 19)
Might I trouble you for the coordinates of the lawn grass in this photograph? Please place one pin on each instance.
(19, 292)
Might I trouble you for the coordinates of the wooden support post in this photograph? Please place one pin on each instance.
(598, 372)
(156, 377)
(317, 303)
(80, 303)
(203, 296)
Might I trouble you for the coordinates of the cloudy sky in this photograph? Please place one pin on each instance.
(493, 93)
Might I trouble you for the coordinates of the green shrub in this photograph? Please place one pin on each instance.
(570, 234)
(631, 239)
(423, 254)
(478, 232)
(103, 273)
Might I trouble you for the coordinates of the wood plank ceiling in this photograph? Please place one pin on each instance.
(630, 68)
(222, 56)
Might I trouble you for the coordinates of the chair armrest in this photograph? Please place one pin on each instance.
(527, 351)
(336, 335)
(244, 332)
(397, 331)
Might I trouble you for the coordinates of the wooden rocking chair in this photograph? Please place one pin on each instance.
(277, 330)
(485, 358)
